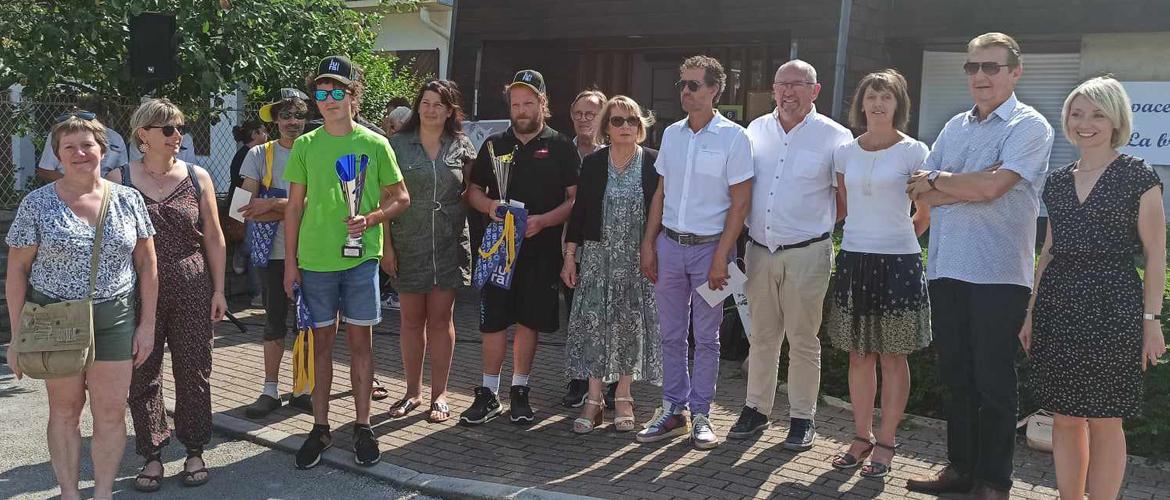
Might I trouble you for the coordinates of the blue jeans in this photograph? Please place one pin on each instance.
(353, 292)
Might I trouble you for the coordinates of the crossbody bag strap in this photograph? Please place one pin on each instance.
(99, 235)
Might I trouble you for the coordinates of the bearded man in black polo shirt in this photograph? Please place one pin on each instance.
(544, 178)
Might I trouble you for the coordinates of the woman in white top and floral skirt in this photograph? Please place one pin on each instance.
(879, 309)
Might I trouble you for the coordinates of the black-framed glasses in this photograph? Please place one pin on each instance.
(584, 115)
(989, 68)
(790, 85)
(169, 130)
(618, 121)
(692, 85)
(336, 94)
(289, 115)
(79, 114)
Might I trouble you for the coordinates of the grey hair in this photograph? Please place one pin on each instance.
(399, 114)
(804, 67)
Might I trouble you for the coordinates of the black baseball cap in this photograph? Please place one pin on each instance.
(529, 77)
(337, 68)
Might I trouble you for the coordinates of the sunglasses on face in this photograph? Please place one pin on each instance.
(584, 115)
(289, 115)
(692, 85)
(336, 94)
(618, 121)
(81, 115)
(169, 130)
(989, 68)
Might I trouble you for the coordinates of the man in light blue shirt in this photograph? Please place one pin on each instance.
(983, 180)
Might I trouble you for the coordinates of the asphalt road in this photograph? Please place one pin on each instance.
(239, 469)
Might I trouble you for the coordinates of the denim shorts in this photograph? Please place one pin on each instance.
(354, 292)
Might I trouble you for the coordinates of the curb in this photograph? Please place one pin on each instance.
(430, 484)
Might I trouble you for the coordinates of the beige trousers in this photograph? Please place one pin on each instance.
(786, 293)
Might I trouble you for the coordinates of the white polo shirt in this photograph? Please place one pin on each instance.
(794, 195)
(698, 169)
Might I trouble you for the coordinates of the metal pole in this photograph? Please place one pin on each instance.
(842, 46)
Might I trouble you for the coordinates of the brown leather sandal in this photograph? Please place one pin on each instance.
(188, 477)
(155, 481)
(846, 460)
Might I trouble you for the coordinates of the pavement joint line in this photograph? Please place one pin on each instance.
(430, 484)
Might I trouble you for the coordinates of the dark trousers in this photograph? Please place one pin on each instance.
(275, 301)
(976, 330)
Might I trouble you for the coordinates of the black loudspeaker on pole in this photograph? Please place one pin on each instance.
(154, 48)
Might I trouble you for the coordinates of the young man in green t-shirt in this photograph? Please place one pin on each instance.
(316, 225)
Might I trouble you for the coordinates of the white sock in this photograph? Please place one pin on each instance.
(519, 379)
(492, 382)
(270, 389)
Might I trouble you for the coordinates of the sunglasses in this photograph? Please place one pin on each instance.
(692, 85)
(169, 130)
(336, 94)
(81, 115)
(618, 121)
(289, 115)
(989, 68)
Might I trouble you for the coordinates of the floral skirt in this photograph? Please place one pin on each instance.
(879, 303)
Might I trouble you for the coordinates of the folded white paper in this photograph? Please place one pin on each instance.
(735, 281)
(240, 197)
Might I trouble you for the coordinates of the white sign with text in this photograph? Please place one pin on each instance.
(1151, 121)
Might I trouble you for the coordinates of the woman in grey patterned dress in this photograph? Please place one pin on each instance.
(613, 329)
(426, 247)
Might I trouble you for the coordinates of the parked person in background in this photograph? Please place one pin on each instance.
(425, 254)
(263, 173)
(1093, 324)
(982, 179)
(49, 168)
(613, 334)
(180, 199)
(394, 120)
(880, 309)
(49, 260)
(249, 134)
(585, 109)
(696, 216)
(544, 178)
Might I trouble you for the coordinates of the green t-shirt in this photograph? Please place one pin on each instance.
(313, 164)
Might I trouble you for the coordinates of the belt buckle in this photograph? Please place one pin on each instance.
(686, 240)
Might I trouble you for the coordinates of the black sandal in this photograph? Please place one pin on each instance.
(377, 392)
(846, 460)
(878, 469)
(441, 408)
(403, 407)
(155, 483)
(188, 477)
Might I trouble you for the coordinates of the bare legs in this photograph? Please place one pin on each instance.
(1088, 451)
(108, 384)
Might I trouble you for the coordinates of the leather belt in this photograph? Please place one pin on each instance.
(686, 239)
(801, 244)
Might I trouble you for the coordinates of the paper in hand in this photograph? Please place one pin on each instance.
(735, 281)
(240, 197)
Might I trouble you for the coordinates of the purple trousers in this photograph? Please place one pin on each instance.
(681, 269)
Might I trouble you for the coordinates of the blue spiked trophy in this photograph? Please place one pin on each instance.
(352, 174)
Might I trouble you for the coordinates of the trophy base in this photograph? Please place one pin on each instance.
(351, 251)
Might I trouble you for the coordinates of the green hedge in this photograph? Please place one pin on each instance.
(1148, 436)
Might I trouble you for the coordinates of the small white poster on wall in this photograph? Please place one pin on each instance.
(1151, 121)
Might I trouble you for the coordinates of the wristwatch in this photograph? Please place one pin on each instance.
(930, 178)
(1152, 317)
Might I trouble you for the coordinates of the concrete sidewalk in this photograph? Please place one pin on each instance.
(546, 459)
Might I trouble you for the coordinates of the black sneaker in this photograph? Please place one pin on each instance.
(520, 411)
(485, 408)
(610, 393)
(304, 402)
(319, 440)
(365, 446)
(750, 424)
(264, 405)
(801, 433)
(576, 395)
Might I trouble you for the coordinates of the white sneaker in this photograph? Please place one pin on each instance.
(391, 302)
(702, 433)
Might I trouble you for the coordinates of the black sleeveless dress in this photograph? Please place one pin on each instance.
(1087, 322)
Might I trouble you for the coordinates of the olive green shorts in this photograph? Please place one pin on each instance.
(113, 325)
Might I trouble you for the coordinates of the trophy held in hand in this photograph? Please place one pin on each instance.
(502, 239)
(352, 175)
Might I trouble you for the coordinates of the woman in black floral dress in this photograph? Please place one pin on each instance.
(1092, 330)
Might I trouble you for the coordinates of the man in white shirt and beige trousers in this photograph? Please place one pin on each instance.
(789, 254)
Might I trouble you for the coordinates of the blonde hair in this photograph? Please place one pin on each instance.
(645, 120)
(153, 112)
(73, 125)
(1108, 94)
(995, 39)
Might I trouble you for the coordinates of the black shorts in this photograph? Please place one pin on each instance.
(276, 303)
(533, 300)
